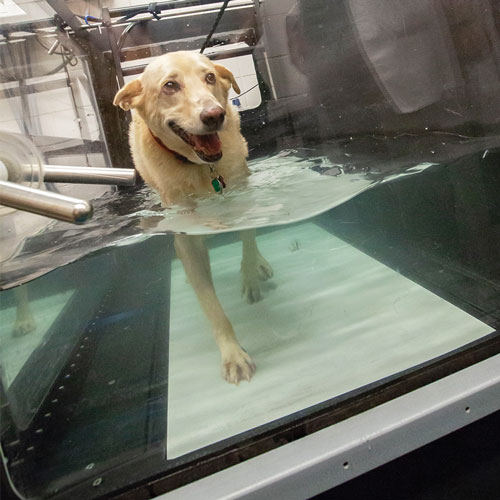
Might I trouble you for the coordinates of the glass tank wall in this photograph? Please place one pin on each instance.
(374, 150)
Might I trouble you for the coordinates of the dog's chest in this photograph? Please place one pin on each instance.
(177, 182)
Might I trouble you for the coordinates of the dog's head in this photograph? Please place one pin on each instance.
(182, 97)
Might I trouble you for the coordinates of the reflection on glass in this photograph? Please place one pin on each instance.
(25, 323)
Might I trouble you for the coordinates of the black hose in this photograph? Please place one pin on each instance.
(126, 31)
(214, 27)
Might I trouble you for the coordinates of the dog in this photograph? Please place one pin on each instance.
(185, 140)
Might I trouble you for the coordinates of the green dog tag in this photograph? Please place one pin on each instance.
(216, 185)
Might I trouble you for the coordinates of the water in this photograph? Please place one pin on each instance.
(284, 188)
(287, 187)
(119, 376)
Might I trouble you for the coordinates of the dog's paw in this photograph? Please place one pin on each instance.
(264, 269)
(251, 276)
(250, 289)
(237, 366)
(23, 327)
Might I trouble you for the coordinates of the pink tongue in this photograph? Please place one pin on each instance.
(209, 144)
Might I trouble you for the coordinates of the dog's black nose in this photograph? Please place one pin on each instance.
(213, 117)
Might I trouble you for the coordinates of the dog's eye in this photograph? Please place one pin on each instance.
(171, 87)
(210, 78)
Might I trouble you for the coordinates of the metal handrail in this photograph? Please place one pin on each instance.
(58, 206)
(89, 175)
(54, 205)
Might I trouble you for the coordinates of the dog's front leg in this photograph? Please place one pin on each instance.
(254, 268)
(236, 363)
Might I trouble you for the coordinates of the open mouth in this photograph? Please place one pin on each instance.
(208, 146)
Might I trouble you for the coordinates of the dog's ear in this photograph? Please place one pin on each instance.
(225, 74)
(129, 96)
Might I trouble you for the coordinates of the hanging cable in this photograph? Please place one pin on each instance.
(125, 32)
(246, 91)
(152, 9)
(214, 27)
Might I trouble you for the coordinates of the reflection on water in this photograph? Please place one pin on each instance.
(281, 189)
(290, 186)
(284, 188)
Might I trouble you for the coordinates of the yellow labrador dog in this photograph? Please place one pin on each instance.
(185, 139)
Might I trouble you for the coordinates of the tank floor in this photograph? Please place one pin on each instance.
(332, 320)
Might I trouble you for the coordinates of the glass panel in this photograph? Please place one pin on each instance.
(361, 252)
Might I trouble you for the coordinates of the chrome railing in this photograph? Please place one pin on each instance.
(22, 175)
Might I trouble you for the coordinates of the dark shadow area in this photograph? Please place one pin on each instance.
(464, 465)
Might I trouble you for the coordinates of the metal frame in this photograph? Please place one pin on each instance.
(141, 52)
(95, 44)
(334, 455)
(104, 56)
